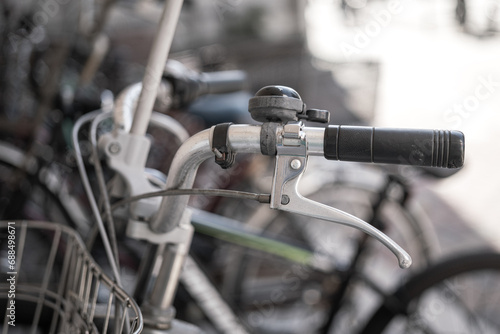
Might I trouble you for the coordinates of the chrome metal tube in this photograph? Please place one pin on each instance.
(162, 294)
(315, 140)
(125, 108)
(242, 138)
(156, 64)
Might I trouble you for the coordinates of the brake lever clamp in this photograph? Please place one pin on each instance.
(290, 165)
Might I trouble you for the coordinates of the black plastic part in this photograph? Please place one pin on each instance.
(430, 148)
(277, 90)
(188, 85)
(268, 139)
(276, 104)
(224, 157)
(316, 115)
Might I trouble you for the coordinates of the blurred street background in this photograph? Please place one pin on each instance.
(433, 73)
(430, 64)
(394, 63)
(390, 63)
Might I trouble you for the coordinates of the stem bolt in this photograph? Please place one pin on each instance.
(295, 164)
(114, 148)
(285, 199)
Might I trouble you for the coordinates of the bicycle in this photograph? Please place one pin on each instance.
(189, 178)
(242, 134)
(185, 178)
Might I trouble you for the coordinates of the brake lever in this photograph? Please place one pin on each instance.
(291, 162)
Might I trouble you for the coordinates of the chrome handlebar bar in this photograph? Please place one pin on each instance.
(247, 139)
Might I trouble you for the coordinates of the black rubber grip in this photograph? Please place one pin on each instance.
(430, 148)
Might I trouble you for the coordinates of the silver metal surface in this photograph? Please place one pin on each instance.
(209, 299)
(165, 286)
(315, 141)
(127, 154)
(129, 162)
(124, 112)
(295, 164)
(125, 106)
(156, 64)
(242, 138)
(182, 234)
(285, 185)
(166, 269)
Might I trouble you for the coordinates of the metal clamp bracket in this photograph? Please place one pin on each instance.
(181, 235)
(224, 156)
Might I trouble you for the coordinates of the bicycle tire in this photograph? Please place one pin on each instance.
(408, 299)
(50, 203)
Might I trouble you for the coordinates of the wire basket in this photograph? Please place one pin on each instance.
(50, 284)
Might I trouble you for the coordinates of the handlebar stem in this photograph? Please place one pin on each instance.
(242, 138)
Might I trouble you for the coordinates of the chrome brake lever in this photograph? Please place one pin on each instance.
(291, 161)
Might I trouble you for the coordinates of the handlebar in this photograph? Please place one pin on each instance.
(406, 147)
(222, 82)
(188, 85)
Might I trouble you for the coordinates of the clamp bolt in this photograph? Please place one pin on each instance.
(114, 148)
(285, 199)
(218, 153)
(295, 164)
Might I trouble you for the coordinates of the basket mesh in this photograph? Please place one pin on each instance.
(55, 286)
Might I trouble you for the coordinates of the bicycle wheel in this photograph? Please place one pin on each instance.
(24, 194)
(458, 295)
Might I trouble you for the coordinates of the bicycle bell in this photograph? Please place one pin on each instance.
(282, 104)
